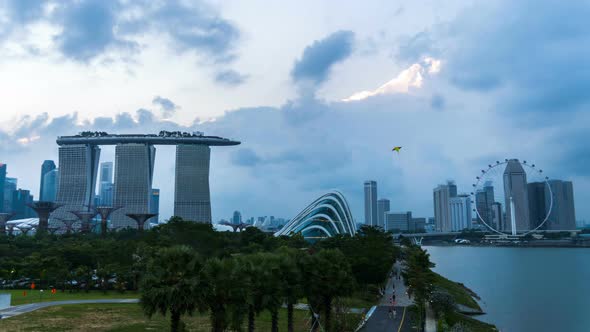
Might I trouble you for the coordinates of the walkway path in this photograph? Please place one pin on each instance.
(24, 308)
(380, 320)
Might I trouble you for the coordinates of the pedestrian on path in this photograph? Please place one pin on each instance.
(394, 313)
(390, 313)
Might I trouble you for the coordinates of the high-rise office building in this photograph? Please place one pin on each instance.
(537, 209)
(2, 185)
(497, 216)
(46, 167)
(383, 206)
(20, 200)
(77, 178)
(442, 213)
(371, 203)
(50, 183)
(192, 200)
(417, 225)
(105, 196)
(236, 219)
(484, 198)
(398, 221)
(10, 185)
(106, 171)
(134, 171)
(105, 184)
(155, 205)
(460, 209)
(516, 197)
(563, 214)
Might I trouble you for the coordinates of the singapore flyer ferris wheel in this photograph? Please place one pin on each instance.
(512, 197)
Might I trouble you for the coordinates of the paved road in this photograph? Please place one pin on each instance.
(380, 320)
(24, 308)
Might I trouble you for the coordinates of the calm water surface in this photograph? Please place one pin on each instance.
(523, 289)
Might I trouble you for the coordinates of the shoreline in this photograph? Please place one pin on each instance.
(506, 245)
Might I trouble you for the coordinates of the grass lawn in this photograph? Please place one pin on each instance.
(459, 292)
(34, 296)
(125, 318)
(358, 300)
(470, 323)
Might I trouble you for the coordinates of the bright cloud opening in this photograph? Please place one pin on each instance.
(412, 77)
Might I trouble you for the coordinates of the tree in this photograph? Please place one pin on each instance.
(327, 275)
(227, 292)
(171, 284)
(418, 277)
(291, 279)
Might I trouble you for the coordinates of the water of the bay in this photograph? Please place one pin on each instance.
(523, 289)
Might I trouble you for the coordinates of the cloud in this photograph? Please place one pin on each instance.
(245, 157)
(230, 77)
(195, 27)
(24, 11)
(88, 29)
(318, 58)
(535, 61)
(167, 106)
(408, 79)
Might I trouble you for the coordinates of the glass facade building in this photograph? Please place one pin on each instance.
(77, 179)
(327, 216)
(134, 171)
(192, 199)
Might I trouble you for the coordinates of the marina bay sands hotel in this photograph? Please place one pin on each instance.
(134, 170)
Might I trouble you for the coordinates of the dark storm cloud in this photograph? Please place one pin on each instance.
(319, 57)
(230, 77)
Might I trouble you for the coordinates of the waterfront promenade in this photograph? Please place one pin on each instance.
(380, 320)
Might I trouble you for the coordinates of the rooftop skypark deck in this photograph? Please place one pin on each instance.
(163, 138)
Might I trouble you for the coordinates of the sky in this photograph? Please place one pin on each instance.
(318, 92)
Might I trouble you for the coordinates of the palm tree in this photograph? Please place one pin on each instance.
(226, 294)
(327, 276)
(171, 283)
(291, 279)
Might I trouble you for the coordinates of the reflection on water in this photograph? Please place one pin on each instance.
(523, 289)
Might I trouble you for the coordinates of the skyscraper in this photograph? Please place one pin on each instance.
(516, 197)
(46, 167)
(105, 197)
(237, 218)
(442, 213)
(155, 204)
(20, 200)
(497, 216)
(537, 208)
(484, 198)
(2, 185)
(460, 209)
(382, 208)
(50, 184)
(371, 203)
(192, 199)
(563, 214)
(105, 184)
(77, 178)
(134, 171)
(10, 186)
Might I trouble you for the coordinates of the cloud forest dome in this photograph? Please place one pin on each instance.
(327, 216)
